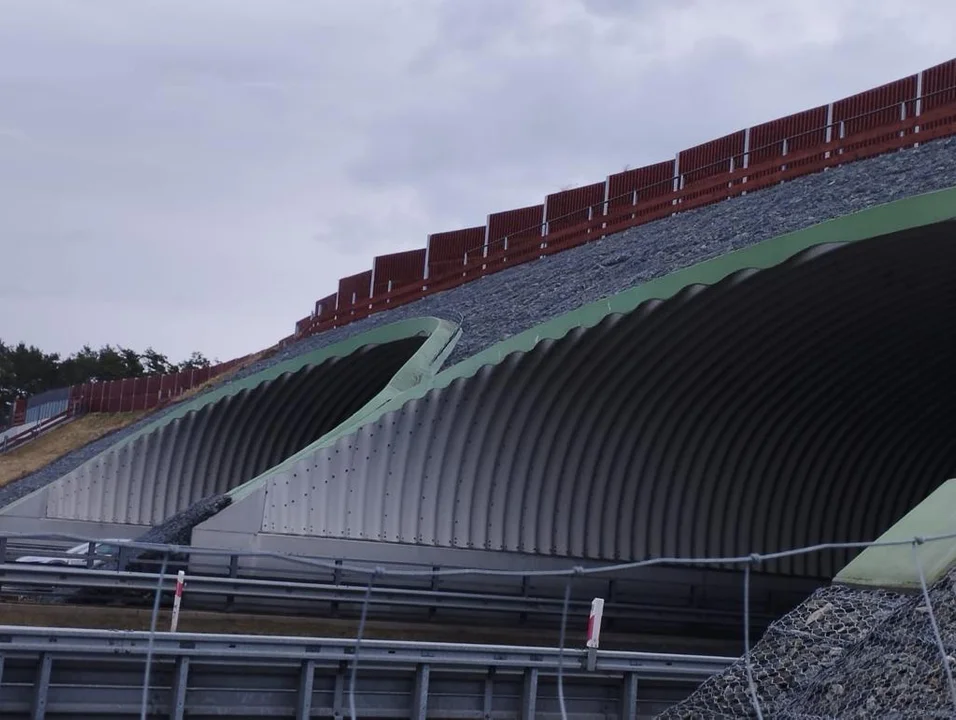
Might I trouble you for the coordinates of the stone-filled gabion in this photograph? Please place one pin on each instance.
(844, 653)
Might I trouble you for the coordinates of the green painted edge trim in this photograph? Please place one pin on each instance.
(914, 211)
(894, 567)
(421, 368)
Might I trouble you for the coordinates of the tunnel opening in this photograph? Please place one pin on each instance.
(804, 403)
(811, 402)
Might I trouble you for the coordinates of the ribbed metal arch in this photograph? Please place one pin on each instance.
(805, 402)
(223, 444)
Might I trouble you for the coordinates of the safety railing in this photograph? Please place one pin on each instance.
(101, 674)
(231, 580)
(501, 253)
(305, 599)
(12, 442)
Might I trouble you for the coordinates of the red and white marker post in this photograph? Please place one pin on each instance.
(177, 600)
(594, 631)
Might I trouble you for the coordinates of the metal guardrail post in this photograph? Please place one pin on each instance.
(529, 694)
(420, 693)
(489, 693)
(303, 709)
(122, 559)
(233, 573)
(525, 581)
(629, 697)
(336, 580)
(41, 688)
(180, 683)
(338, 693)
(432, 611)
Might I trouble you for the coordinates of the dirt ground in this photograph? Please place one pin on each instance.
(59, 441)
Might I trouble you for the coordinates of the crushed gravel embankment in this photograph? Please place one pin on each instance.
(499, 305)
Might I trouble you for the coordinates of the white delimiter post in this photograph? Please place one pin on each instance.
(180, 582)
(594, 630)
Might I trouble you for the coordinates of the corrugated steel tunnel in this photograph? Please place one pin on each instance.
(218, 442)
(810, 401)
(226, 443)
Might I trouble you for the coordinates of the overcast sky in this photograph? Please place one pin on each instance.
(193, 174)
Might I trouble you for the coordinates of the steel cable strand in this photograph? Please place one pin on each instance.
(751, 685)
(932, 619)
(598, 569)
(353, 675)
(152, 634)
(561, 637)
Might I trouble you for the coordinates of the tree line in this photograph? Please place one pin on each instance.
(27, 370)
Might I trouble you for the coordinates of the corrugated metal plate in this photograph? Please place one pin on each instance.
(354, 288)
(520, 227)
(398, 269)
(643, 183)
(801, 131)
(711, 158)
(572, 207)
(879, 107)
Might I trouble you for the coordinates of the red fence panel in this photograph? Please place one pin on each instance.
(19, 415)
(354, 288)
(153, 385)
(446, 250)
(570, 207)
(513, 229)
(876, 108)
(939, 89)
(325, 308)
(650, 181)
(864, 125)
(397, 269)
(139, 393)
(711, 158)
(787, 135)
(302, 324)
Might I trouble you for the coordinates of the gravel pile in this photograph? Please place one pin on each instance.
(506, 303)
(178, 530)
(844, 653)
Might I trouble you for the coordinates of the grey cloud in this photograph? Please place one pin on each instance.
(193, 175)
